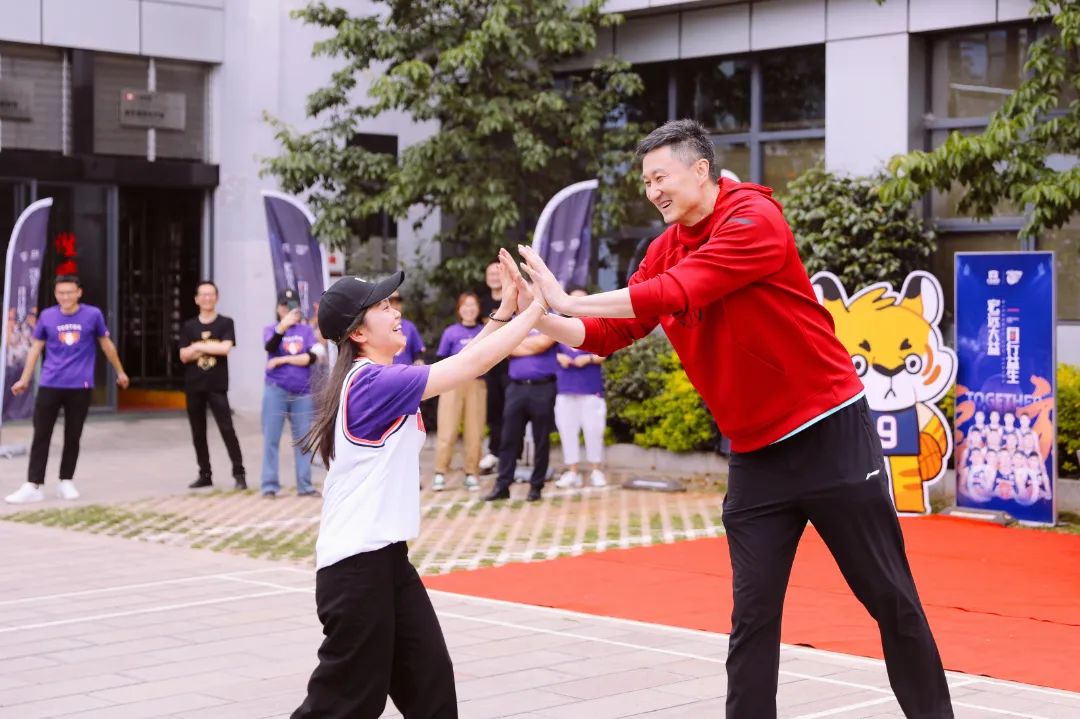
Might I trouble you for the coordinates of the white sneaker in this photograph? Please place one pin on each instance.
(488, 463)
(66, 490)
(597, 478)
(439, 483)
(26, 493)
(568, 480)
(472, 483)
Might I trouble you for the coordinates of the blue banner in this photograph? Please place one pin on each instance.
(26, 251)
(1005, 387)
(296, 255)
(563, 236)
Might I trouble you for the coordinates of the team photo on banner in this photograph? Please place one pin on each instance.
(1005, 413)
(895, 343)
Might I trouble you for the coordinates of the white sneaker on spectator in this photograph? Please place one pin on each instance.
(568, 479)
(26, 493)
(488, 463)
(66, 490)
(438, 484)
(472, 483)
(597, 479)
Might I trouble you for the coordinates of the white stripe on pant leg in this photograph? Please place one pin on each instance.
(594, 414)
(568, 423)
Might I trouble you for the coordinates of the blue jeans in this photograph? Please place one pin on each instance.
(277, 403)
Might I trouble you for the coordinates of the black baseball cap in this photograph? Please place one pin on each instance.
(288, 297)
(347, 297)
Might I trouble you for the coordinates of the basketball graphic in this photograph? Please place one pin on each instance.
(293, 345)
(69, 337)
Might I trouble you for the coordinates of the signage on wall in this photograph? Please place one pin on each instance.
(151, 109)
(16, 99)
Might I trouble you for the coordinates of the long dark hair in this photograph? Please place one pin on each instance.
(320, 438)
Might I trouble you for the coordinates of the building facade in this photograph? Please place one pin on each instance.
(146, 207)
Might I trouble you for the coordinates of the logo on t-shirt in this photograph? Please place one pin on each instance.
(293, 345)
(69, 333)
(207, 362)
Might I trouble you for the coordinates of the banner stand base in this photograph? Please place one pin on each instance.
(654, 484)
(10, 451)
(994, 516)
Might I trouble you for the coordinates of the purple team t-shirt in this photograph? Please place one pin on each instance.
(579, 380)
(414, 344)
(70, 346)
(455, 337)
(297, 340)
(534, 367)
(380, 399)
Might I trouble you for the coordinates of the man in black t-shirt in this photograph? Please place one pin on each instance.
(498, 377)
(205, 343)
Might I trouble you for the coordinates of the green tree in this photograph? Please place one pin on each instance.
(1013, 159)
(511, 129)
(842, 225)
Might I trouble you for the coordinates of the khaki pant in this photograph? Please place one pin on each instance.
(470, 401)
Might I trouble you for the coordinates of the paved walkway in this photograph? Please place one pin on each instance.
(96, 627)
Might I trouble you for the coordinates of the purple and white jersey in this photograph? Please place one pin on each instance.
(371, 497)
(70, 346)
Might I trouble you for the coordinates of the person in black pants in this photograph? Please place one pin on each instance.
(67, 334)
(205, 343)
(498, 379)
(529, 398)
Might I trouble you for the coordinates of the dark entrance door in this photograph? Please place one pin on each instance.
(159, 248)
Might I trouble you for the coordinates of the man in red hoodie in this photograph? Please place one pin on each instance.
(726, 283)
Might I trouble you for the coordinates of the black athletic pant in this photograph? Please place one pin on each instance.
(76, 403)
(527, 402)
(833, 475)
(382, 638)
(197, 402)
(497, 379)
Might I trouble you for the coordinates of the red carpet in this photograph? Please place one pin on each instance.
(1002, 602)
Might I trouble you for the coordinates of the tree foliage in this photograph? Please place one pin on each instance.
(1019, 156)
(510, 129)
(842, 225)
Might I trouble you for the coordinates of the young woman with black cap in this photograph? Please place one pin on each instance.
(381, 633)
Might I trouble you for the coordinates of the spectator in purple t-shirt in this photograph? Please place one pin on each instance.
(580, 407)
(292, 350)
(466, 403)
(414, 350)
(67, 333)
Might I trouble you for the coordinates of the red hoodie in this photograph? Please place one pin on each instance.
(734, 299)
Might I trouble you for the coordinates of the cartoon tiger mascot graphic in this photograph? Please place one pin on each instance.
(896, 347)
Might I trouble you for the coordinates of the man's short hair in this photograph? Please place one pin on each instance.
(687, 138)
(66, 279)
(200, 283)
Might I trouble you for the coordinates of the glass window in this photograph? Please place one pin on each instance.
(941, 263)
(111, 75)
(735, 158)
(1065, 242)
(975, 72)
(716, 93)
(784, 161)
(189, 79)
(41, 72)
(793, 89)
(650, 107)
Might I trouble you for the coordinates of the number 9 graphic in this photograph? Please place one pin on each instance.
(886, 429)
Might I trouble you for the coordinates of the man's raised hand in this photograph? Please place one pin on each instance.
(544, 280)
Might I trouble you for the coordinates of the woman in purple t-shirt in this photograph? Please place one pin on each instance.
(466, 404)
(292, 350)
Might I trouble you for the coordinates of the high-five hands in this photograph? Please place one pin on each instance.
(545, 280)
(526, 294)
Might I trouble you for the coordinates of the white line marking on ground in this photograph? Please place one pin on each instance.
(129, 587)
(148, 610)
(848, 708)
